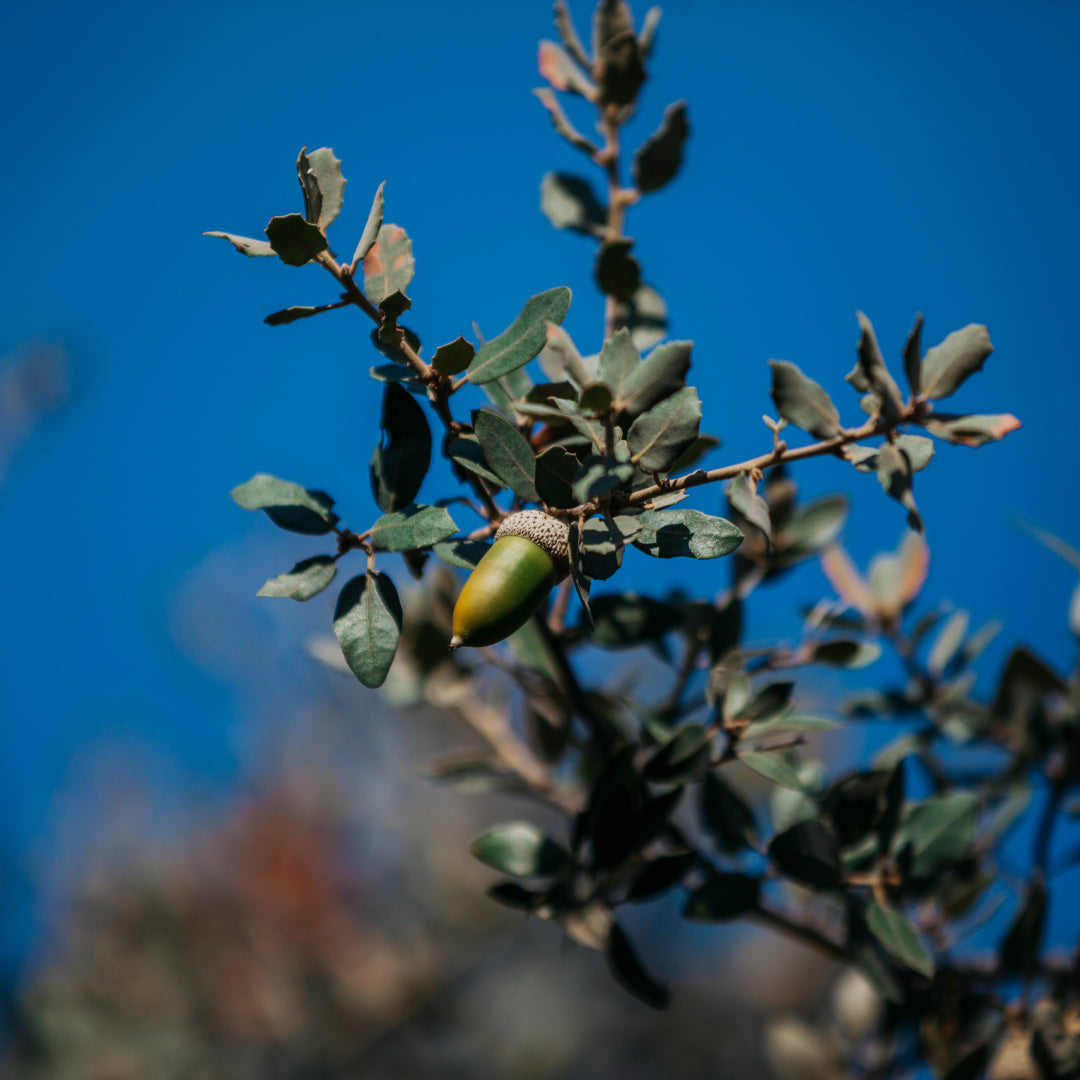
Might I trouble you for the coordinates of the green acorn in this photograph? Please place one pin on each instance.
(529, 556)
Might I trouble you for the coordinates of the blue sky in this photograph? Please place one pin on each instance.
(889, 157)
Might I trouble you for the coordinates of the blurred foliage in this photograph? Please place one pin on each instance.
(689, 787)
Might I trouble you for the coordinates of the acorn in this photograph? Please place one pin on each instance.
(531, 553)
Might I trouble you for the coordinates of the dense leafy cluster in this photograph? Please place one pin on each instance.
(886, 868)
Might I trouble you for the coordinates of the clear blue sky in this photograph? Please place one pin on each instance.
(892, 157)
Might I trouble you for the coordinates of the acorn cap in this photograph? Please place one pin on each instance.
(545, 531)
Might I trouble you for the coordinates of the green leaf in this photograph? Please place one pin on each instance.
(569, 202)
(465, 450)
(808, 853)
(564, 24)
(523, 339)
(291, 314)
(847, 654)
(683, 759)
(556, 469)
(602, 547)
(305, 580)
(617, 272)
(520, 848)
(784, 722)
(371, 228)
(508, 453)
(913, 356)
(776, 768)
(294, 240)
(288, 505)
(454, 358)
(245, 244)
(661, 375)
(325, 169)
(894, 475)
(940, 831)
(465, 554)
(947, 644)
(802, 401)
(389, 264)
(412, 528)
(688, 533)
(367, 623)
(626, 619)
(876, 375)
(726, 816)
(619, 361)
(658, 436)
(897, 938)
(975, 430)
(960, 355)
(750, 504)
(661, 874)
(658, 160)
(814, 527)
(630, 975)
(401, 459)
(722, 898)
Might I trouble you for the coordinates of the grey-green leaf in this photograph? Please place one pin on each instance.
(288, 505)
(326, 169)
(389, 265)
(371, 228)
(520, 848)
(750, 504)
(960, 355)
(658, 436)
(940, 830)
(690, 533)
(523, 339)
(774, 767)
(569, 202)
(508, 453)
(367, 623)
(465, 554)
(412, 528)
(894, 474)
(802, 401)
(294, 240)
(661, 375)
(245, 244)
(875, 373)
(658, 160)
(895, 934)
(465, 451)
(305, 580)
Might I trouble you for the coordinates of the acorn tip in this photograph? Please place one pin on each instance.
(455, 643)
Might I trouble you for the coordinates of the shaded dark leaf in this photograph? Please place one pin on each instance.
(683, 759)
(625, 619)
(658, 160)
(617, 272)
(808, 853)
(723, 897)
(294, 240)
(291, 314)
(726, 816)
(661, 874)
(630, 975)
(400, 461)
(556, 469)
(1023, 943)
(569, 202)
